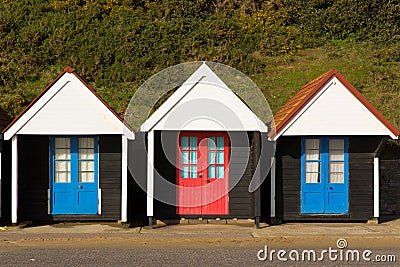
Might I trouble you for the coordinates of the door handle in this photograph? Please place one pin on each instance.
(200, 175)
(330, 188)
(80, 187)
(208, 181)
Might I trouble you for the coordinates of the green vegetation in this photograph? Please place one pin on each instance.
(280, 44)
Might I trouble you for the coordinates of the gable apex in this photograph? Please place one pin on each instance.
(308, 96)
(204, 103)
(69, 106)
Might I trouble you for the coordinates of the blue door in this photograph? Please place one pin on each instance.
(74, 175)
(324, 175)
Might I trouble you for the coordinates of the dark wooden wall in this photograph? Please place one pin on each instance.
(390, 187)
(137, 179)
(5, 192)
(241, 201)
(288, 179)
(110, 176)
(34, 179)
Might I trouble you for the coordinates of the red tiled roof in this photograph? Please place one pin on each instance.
(67, 69)
(286, 113)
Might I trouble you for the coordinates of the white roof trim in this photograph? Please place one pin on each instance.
(66, 78)
(203, 75)
(333, 81)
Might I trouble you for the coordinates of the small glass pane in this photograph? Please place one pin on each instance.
(220, 157)
(211, 143)
(312, 172)
(62, 166)
(211, 172)
(62, 177)
(85, 166)
(193, 172)
(336, 144)
(211, 157)
(185, 172)
(184, 143)
(193, 157)
(312, 144)
(62, 153)
(220, 172)
(336, 149)
(185, 157)
(336, 172)
(193, 142)
(62, 143)
(86, 142)
(86, 177)
(62, 172)
(220, 143)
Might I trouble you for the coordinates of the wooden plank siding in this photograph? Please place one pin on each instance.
(34, 179)
(288, 181)
(241, 201)
(137, 179)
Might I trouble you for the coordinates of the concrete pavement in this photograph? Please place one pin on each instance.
(380, 235)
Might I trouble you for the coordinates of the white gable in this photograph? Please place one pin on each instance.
(335, 111)
(204, 103)
(68, 108)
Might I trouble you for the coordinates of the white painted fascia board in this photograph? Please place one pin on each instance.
(302, 111)
(333, 81)
(40, 103)
(48, 96)
(168, 105)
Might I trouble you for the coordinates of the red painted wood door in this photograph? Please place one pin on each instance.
(202, 174)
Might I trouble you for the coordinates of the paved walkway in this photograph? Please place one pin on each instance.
(379, 234)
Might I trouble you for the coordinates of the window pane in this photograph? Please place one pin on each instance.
(312, 144)
(184, 143)
(312, 172)
(220, 172)
(185, 157)
(211, 172)
(211, 143)
(86, 142)
(62, 143)
(86, 153)
(336, 149)
(62, 177)
(86, 177)
(220, 157)
(185, 172)
(62, 166)
(220, 143)
(193, 142)
(62, 153)
(193, 157)
(193, 171)
(211, 157)
(312, 149)
(336, 144)
(62, 172)
(85, 166)
(336, 172)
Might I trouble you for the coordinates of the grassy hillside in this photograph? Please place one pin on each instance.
(280, 44)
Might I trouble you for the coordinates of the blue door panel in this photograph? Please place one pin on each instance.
(324, 197)
(85, 204)
(74, 197)
(62, 201)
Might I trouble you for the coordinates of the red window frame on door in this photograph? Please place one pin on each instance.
(202, 173)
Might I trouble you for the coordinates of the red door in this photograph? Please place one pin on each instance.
(202, 176)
